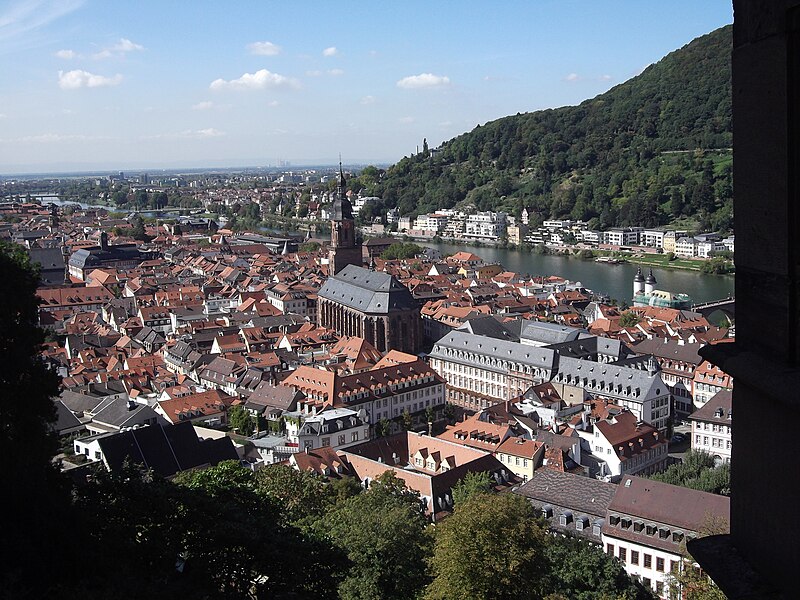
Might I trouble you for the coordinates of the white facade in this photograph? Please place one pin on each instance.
(652, 238)
(486, 225)
(335, 427)
(686, 246)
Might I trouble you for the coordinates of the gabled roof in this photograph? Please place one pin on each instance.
(164, 449)
(367, 291)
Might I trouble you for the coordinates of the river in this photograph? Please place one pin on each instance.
(614, 280)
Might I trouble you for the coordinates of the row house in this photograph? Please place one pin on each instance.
(399, 383)
(648, 524)
(83, 299)
(209, 408)
(336, 428)
(678, 361)
(708, 381)
(623, 445)
(712, 426)
(427, 465)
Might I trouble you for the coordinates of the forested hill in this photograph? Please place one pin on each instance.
(651, 151)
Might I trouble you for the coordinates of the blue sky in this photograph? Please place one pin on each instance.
(90, 84)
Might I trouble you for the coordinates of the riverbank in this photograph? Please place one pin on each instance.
(655, 260)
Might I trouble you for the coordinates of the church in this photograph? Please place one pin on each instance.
(356, 301)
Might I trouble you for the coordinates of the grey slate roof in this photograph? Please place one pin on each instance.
(456, 341)
(584, 499)
(549, 333)
(65, 419)
(367, 291)
(666, 348)
(488, 326)
(708, 412)
(609, 379)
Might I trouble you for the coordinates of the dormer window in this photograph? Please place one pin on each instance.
(565, 518)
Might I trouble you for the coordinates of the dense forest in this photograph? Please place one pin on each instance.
(651, 151)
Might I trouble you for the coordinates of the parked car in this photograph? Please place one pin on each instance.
(678, 438)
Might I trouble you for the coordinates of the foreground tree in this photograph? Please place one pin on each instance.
(491, 548)
(383, 532)
(35, 497)
(579, 570)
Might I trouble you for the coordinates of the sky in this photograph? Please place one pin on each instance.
(122, 85)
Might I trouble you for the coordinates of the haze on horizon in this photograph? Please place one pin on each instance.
(93, 85)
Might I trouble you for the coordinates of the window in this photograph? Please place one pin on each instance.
(354, 437)
(341, 440)
(648, 561)
(659, 587)
(634, 557)
(646, 582)
(610, 549)
(623, 554)
(659, 564)
(326, 442)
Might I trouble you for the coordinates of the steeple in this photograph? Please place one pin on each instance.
(342, 209)
(650, 283)
(638, 282)
(345, 250)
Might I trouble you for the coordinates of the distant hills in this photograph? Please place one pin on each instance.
(651, 151)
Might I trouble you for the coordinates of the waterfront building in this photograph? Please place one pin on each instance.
(646, 294)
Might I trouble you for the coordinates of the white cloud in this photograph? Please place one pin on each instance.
(66, 54)
(332, 51)
(605, 78)
(204, 105)
(73, 80)
(122, 47)
(254, 81)
(423, 80)
(335, 72)
(407, 120)
(368, 100)
(207, 133)
(264, 48)
(572, 77)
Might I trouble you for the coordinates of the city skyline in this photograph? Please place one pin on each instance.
(144, 86)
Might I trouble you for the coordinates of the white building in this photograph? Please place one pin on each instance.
(711, 427)
(486, 225)
(652, 238)
(648, 523)
(686, 246)
(627, 236)
(334, 427)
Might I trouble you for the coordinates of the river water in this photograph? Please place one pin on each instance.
(614, 280)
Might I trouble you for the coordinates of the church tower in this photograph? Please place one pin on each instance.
(344, 249)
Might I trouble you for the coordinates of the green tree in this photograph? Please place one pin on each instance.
(629, 319)
(383, 532)
(580, 570)
(240, 419)
(301, 494)
(491, 547)
(697, 471)
(137, 229)
(36, 494)
(471, 484)
(401, 250)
